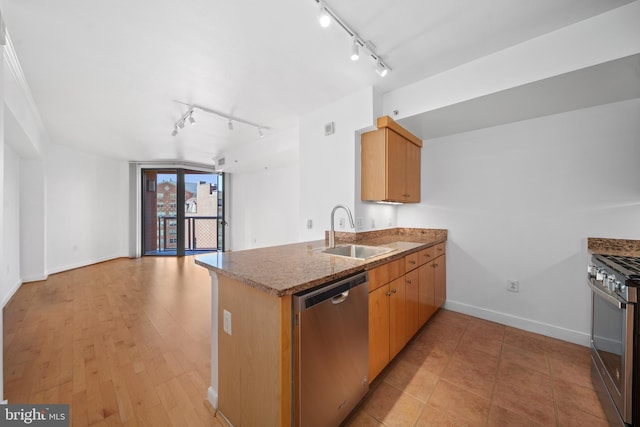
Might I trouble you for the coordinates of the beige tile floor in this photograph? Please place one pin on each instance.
(463, 371)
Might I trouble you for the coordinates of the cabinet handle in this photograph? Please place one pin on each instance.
(439, 249)
(409, 281)
(427, 255)
(435, 265)
(388, 293)
(394, 290)
(412, 262)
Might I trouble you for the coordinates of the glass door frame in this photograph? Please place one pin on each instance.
(136, 208)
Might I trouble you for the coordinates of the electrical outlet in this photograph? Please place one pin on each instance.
(341, 222)
(359, 223)
(373, 223)
(226, 321)
(309, 224)
(513, 286)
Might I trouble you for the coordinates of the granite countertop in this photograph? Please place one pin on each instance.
(621, 247)
(288, 269)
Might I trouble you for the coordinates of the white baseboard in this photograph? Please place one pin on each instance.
(11, 292)
(212, 397)
(29, 279)
(85, 263)
(576, 337)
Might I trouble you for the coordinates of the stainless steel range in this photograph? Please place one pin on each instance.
(615, 331)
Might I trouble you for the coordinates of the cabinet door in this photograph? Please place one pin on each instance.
(378, 330)
(426, 292)
(411, 302)
(440, 279)
(397, 317)
(413, 173)
(396, 166)
(373, 150)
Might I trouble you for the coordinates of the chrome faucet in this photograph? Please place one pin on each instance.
(332, 233)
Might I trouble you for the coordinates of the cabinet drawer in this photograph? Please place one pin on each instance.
(439, 249)
(426, 255)
(383, 274)
(411, 261)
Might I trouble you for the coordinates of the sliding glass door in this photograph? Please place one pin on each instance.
(183, 212)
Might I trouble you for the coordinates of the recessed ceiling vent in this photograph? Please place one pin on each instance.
(221, 161)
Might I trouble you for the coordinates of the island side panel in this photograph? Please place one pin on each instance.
(254, 362)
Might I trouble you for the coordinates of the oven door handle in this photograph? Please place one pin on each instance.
(613, 299)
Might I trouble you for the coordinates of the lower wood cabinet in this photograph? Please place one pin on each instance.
(426, 294)
(398, 336)
(403, 295)
(440, 281)
(379, 303)
(412, 302)
(387, 324)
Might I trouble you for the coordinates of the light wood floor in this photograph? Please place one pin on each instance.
(125, 342)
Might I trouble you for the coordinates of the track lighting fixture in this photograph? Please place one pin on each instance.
(381, 69)
(355, 50)
(325, 18)
(230, 119)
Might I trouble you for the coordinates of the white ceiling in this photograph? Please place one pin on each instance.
(107, 75)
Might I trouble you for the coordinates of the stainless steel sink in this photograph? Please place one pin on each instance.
(356, 251)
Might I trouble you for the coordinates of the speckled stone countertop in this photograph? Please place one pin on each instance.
(621, 247)
(288, 269)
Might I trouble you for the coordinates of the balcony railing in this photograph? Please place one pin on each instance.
(201, 233)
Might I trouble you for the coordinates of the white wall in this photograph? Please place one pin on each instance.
(33, 186)
(263, 207)
(519, 201)
(10, 278)
(86, 208)
(327, 163)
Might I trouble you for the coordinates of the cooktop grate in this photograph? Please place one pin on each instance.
(625, 265)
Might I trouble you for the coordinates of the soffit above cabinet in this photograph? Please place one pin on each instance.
(605, 83)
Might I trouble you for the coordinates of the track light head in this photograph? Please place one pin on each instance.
(230, 125)
(260, 132)
(381, 69)
(180, 124)
(174, 132)
(191, 119)
(355, 50)
(323, 16)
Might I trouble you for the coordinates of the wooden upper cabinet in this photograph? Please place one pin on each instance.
(390, 164)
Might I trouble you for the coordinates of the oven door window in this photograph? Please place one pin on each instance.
(608, 332)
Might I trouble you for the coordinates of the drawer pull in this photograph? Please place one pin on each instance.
(412, 262)
(409, 281)
(394, 291)
(388, 293)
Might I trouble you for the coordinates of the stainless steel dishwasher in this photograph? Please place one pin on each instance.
(330, 351)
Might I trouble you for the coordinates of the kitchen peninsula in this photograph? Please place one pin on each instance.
(251, 314)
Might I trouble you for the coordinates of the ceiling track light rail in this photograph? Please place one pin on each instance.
(188, 116)
(358, 43)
